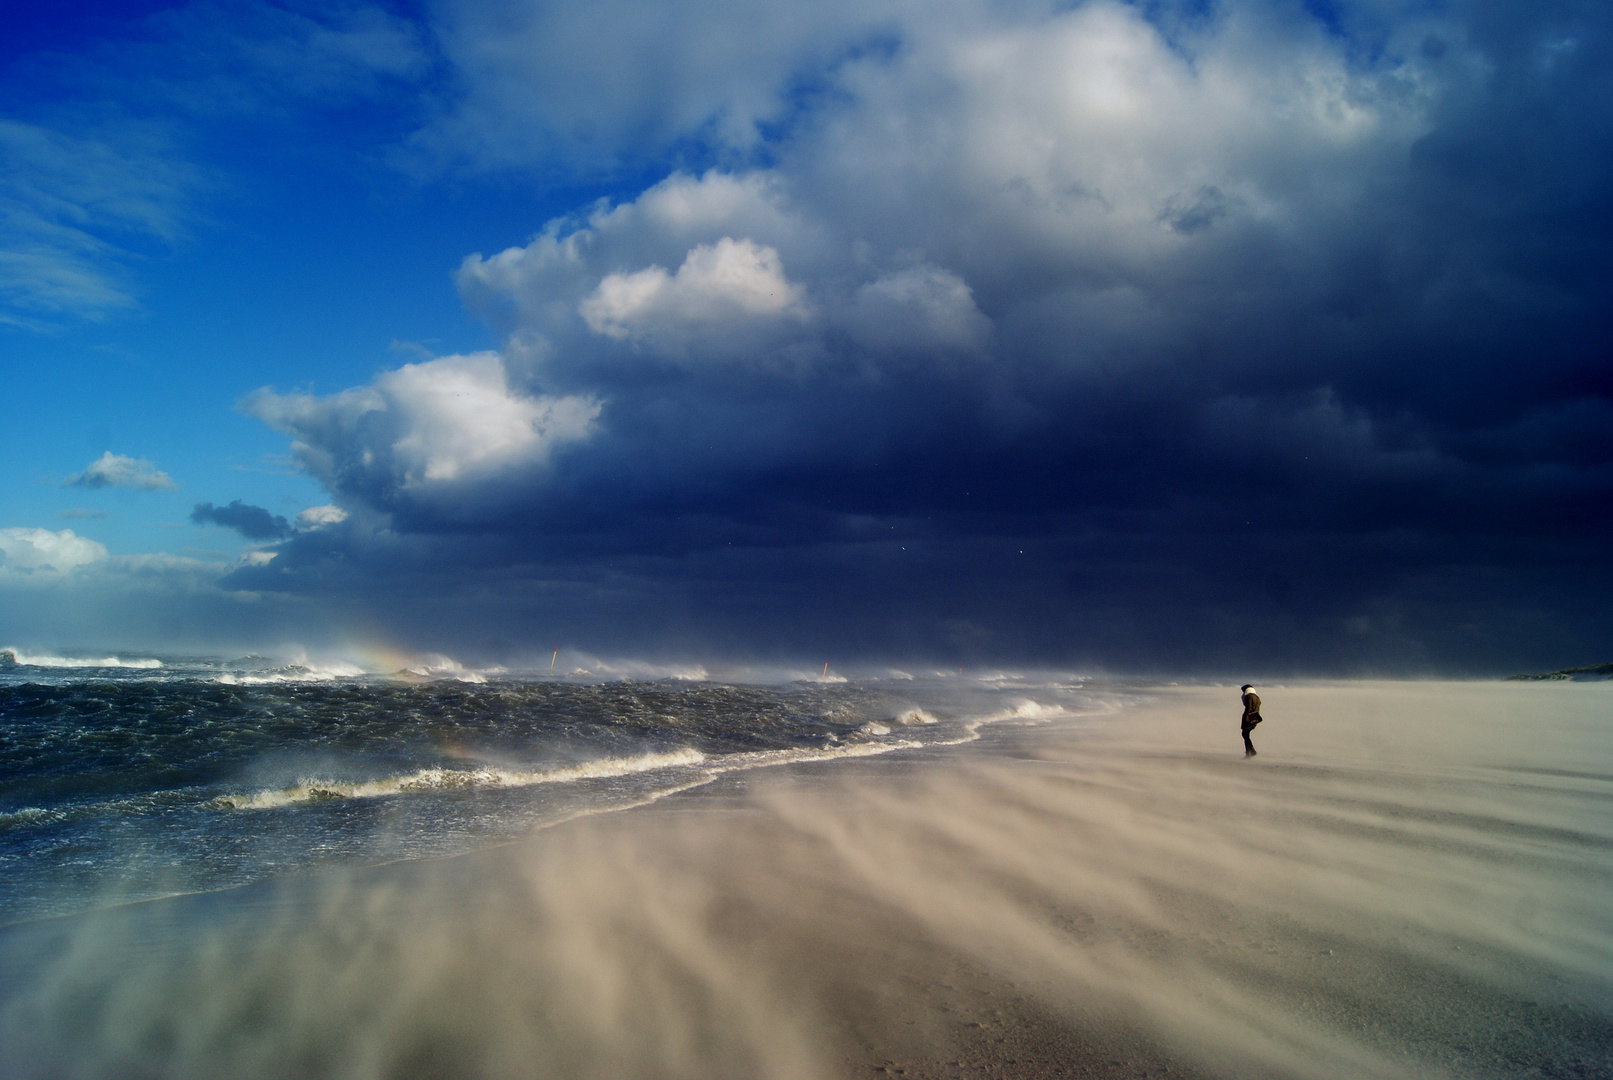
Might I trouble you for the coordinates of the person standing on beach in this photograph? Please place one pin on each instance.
(1251, 717)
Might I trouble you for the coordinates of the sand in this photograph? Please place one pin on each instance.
(1411, 880)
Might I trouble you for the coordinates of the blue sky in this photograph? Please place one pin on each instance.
(1150, 336)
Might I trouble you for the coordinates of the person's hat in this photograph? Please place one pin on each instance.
(1245, 686)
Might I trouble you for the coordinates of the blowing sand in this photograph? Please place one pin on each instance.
(1411, 880)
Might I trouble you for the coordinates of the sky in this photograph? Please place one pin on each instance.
(1212, 337)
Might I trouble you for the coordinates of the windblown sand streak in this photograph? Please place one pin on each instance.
(1410, 881)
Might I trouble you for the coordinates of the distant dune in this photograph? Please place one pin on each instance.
(1592, 671)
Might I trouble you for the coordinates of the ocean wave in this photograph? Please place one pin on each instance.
(851, 750)
(761, 759)
(431, 669)
(293, 673)
(915, 716)
(438, 779)
(127, 806)
(874, 740)
(28, 815)
(586, 666)
(436, 666)
(1024, 711)
(1033, 710)
(22, 659)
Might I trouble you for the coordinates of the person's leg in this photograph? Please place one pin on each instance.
(1248, 747)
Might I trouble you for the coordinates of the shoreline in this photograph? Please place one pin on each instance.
(1123, 895)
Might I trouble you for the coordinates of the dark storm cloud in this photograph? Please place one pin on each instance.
(1228, 337)
(252, 522)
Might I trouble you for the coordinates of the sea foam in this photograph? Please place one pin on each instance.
(293, 673)
(426, 780)
(22, 659)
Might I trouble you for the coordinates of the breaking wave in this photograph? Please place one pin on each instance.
(423, 780)
(432, 668)
(22, 659)
(916, 716)
(293, 673)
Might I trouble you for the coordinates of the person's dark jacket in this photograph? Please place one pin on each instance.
(1251, 709)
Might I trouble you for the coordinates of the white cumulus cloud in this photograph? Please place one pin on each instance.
(455, 418)
(118, 470)
(316, 517)
(717, 285)
(551, 287)
(41, 551)
(760, 280)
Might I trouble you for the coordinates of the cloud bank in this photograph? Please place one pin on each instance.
(1170, 335)
(41, 551)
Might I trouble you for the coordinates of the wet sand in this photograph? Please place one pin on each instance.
(1411, 880)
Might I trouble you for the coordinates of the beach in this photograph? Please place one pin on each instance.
(1410, 880)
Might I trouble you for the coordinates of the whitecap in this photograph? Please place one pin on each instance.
(439, 779)
(915, 716)
(22, 659)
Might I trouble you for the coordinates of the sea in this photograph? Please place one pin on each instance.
(128, 778)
